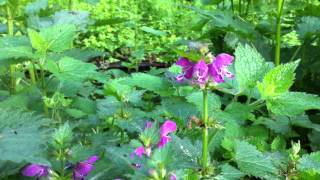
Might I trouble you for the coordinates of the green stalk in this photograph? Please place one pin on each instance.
(239, 7)
(32, 75)
(12, 66)
(70, 5)
(248, 7)
(278, 31)
(205, 118)
(232, 6)
(43, 88)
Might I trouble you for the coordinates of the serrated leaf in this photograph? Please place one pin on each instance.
(20, 136)
(58, 38)
(229, 173)
(308, 26)
(278, 80)
(253, 162)
(108, 106)
(309, 165)
(37, 41)
(78, 18)
(150, 82)
(293, 103)
(250, 66)
(72, 70)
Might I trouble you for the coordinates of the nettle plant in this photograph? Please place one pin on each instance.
(245, 119)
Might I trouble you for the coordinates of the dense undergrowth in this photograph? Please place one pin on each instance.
(235, 103)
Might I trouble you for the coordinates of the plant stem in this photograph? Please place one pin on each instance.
(12, 66)
(43, 88)
(248, 7)
(32, 74)
(205, 118)
(70, 5)
(239, 7)
(232, 6)
(278, 31)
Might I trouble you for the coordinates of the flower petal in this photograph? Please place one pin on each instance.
(163, 141)
(139, 151)
(168, 127)
(223, 59)
(35, 170)
(82, 169)
(92, 159)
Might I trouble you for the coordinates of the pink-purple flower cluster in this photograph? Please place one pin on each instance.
(80, 171)
(166, 128)
(202, 72)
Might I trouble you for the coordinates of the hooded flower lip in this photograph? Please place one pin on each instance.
(139, 151)
(82, 169)
(187, 67)
(218, 68)
(173, 176)
(35, 170)
(167, 127)
(200, 71)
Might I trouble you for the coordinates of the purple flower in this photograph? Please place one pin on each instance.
(163, 141)
(35, 170)
(173, 176)
(218, 68)
(139, 151)
(82, 169)
(200, 72)
(167, 127)
(187, 68)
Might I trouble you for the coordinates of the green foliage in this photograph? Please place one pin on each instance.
(196, 98)
(71, 70)
(278, 80)
(56, 38)
(293, 103)
(229, 172)
(253, 162)
(309, 166)
(21, 136)
(250, 67)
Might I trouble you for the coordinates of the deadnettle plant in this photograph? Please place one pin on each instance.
(204, 73)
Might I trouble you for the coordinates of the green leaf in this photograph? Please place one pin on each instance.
(250, 66)
(36, 6)
(71, 70)
(149, 82)
(229, 173)
(108, 106)
(293, 103)
(21, 138)
(179, 109)
(196, 98)
(308, 26)
(253, 162)
(79, 19)
(309, 165)
(37, 41)
(153, 31)
(14, 50)
(59, 37)
(278, 80)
